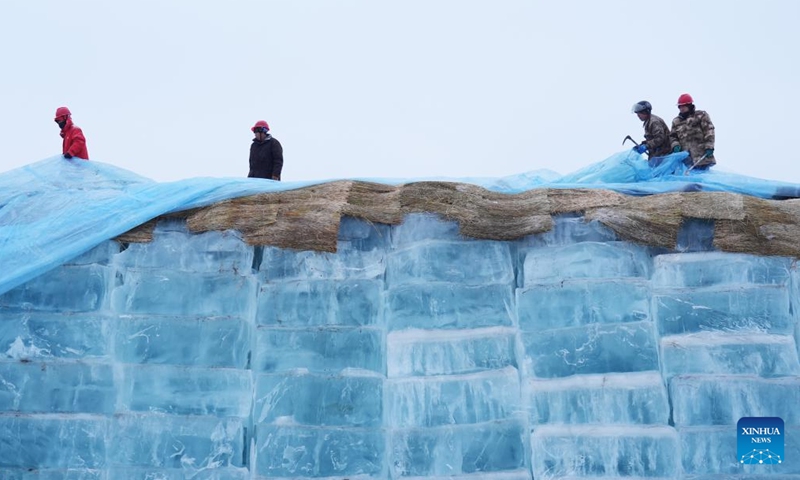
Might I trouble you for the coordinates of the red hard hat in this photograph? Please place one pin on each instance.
(62, 112)
(685, 99)
(260, 123)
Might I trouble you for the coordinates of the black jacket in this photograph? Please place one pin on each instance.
(266, 158)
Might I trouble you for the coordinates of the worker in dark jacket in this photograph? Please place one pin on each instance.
(266, 153)
(74, 144)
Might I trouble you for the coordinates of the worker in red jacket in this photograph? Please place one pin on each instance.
(74, 142)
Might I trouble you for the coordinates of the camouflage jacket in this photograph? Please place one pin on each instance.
(695, 134)
(656, 137)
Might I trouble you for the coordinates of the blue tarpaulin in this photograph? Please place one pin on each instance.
(54, 210)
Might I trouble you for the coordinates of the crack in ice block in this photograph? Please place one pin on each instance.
(620, 398)
(351, 399)
(449, 305)
(760, 309)
(210, 252)
(167, 441)
(199, 342)
(64, 289)
(57, 387)
(585, 260)
(724, 399)
(445, 352)
(52, 441)
(713, 451)
(320, 302)
(572, 303)
(52, 335)
(299, 452)
(453, 399)
(180, 390)
(604, 451)
(467, 263)
(484, 448)
(348, 262)
(319, 349)
(759, 354)
(717, 268)
(171, 292)
(595, 348)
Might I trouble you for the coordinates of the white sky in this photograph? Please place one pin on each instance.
(412, 88)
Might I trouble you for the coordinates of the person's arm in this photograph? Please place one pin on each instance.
(277, 159)
(77, 143)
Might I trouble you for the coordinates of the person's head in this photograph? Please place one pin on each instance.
(260, 129)
(642, 109)
(62, 115)
(685, 104)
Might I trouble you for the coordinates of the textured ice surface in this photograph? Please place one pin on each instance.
(196, 341)
(616, 398)
(29, 335)
(75, 387)
(739, 308)
(320, 302)
(304, 451)
(716, 268)
(411, 353)
(172, 292)
(443, 352)
(614, 451)
(346, 400)
(723, 400)
(80, 288)
(319, 349)
(722, 353)
(572, 303)
(459, 449)
(180, 390)
(596, 348)
(348, 262)
(212, 252)
(449, 305)
(585, 260)
(453, 399)
(468, 263)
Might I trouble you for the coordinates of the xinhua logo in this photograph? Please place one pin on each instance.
(760, 440)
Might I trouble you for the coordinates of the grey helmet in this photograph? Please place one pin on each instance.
(642, 107)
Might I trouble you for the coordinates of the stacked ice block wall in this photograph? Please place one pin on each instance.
(410, 353)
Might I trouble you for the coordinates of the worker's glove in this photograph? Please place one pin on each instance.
(67, 155)
(709, 152)
(640, 148)
(676, 149)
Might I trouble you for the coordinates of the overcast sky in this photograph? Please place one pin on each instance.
(412, 88)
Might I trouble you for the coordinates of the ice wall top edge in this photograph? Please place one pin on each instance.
(54, 210)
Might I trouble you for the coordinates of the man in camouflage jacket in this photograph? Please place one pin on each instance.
(693, 132)
(656, 133)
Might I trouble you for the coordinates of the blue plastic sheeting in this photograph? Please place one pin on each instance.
(54, 210)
